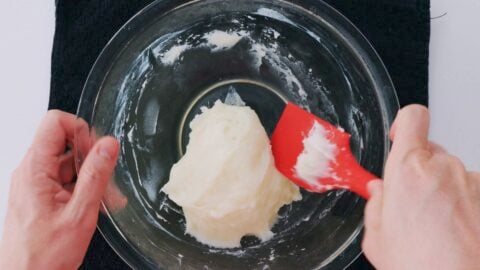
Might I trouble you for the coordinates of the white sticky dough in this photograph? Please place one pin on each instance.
(226, 182)
(314, 162)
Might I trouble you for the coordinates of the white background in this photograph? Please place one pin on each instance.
(26, 35)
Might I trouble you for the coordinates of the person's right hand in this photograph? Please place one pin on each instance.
(426, 212)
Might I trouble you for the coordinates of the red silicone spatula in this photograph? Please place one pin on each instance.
(287, 144)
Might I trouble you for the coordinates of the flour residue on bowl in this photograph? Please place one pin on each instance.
(221, 40)
(216, 40)
(264, 50)
(270, 13)
(270, 54)
(172, 55)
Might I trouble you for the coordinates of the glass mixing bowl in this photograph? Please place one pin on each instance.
(174, 57)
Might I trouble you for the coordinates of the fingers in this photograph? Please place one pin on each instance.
(115, 200)
(410, 130)
(84, 140)
(436, 148)
(63, 196)
(69, 187)
(373, 209)
(474, 179)
(474, 175)
(67, 168)
(94, 175)
(373, 218)
(393, 129)
(55, 130)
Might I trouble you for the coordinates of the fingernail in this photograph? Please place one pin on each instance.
(416, 110)
(107, 150)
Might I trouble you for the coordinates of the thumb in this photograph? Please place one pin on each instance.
(373, 216)
(410, 130)
(96, 171)
(373, 209)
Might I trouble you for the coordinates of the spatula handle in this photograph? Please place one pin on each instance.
(360, 182)
(354, 175)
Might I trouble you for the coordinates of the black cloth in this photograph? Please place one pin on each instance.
(398, 29)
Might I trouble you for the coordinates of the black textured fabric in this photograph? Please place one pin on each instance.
(398, 29)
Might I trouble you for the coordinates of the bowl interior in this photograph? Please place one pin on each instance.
(171, 60)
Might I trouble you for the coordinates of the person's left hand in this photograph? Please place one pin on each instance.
(50, 221)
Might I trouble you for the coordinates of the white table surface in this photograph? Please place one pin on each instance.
(27, 28)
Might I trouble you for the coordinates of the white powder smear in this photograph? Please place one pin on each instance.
(220, 40)
(270, 13)
(216, 40)
(259, 51)
(174, 53)
(268, 53)
(276, 34)
(318, 151)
